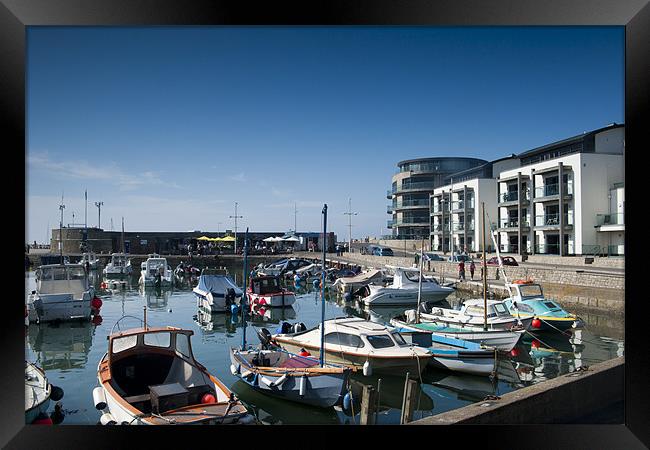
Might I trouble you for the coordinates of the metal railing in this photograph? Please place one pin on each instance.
(513, 223)
(610, 219)
(553, 189)
(411, 221)
(553, 219)
(462, 226)
(512, 196)
(415, 186)
(408, 203)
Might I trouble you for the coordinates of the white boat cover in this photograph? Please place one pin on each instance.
(217, 284)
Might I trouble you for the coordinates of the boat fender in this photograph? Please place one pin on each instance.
(234, 309)
(347, 296)
(280, 380)
(99, 398)
(303, 386)
(234, 369)
(56, 394)
(411, 316)
(367, 369)
(316, 282)
(57, 415)
(297, 328)
(347, 401)
(265, 380)
(107, 419)
(304, 352)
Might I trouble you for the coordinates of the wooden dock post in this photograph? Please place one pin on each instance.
(368, 404)
(408, 401)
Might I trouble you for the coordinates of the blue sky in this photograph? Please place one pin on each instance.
(169, 126)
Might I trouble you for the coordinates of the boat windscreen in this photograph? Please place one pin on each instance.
(380, 341)
(77, 273)
(530, 290)
(398, 338)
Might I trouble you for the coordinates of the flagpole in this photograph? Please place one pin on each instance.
(322, 316)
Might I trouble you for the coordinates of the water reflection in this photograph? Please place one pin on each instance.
(265, 316)
(157, 297)
(61, 346)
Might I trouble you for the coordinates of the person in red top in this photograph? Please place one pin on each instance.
(461, 271)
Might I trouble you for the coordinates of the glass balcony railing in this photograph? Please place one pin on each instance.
(463, 226)
(553, 189)
(440, 227)
(610, 219)
(427, 186)
(513, 223)
(411, 203)
(553, 219)
(553, 249)
(390, 223)
(512, 196)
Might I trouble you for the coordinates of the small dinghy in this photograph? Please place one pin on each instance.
(38, 393)
(149, 377)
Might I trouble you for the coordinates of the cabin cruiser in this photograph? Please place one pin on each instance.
(63, 292)
(149, 376)
(359, 343)
(89, 260)
(472, 314)
(120, 264)
(266, 291)
(355, 283)
(155, 272)
(404, 289)
(216, 291)
(527, 300)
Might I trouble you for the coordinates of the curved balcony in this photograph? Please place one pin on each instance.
(410, 204)
(414, 186)
(411, 222)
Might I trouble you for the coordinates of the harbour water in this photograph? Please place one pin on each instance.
(69, 353)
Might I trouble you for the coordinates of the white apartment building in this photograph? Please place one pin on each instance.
(565, 198)
(455, 208)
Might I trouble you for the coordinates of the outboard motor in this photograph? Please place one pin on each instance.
(424, 308)
(230, 296)
(285, 328)
(264, 336)
(297, 328)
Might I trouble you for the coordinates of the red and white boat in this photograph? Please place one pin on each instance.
(266, 291)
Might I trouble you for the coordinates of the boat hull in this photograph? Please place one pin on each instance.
(474, 365)
(276, 300)
(399, 297)
(322, 390)
(58, 307)
(413, 365)
(37, 393)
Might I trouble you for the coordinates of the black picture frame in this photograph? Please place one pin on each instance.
(634, 15)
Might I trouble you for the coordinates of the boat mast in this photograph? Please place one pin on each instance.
(322, 315)
(417, 314)
(61, 207)
(505, 277)
(484, 272)
(123, 250)
(243, 303)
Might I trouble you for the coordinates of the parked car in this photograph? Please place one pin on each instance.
(459, 258)
(382, 251)
(505, 260)
(431, 257)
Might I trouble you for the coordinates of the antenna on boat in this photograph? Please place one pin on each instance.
(484, 272)
(144, 308)
(417, 314)
(122, 235)
(505, 277)
(322, 315)
(243, 304)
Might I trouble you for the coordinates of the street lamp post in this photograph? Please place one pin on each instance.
(350, 214)
(236, 217)
(99, 210)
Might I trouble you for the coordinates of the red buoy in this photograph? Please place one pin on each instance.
(208, 398)
(97, 319)
(514, 352)
(103, 285)
(96, 303)
(536, 323)
(535, 343)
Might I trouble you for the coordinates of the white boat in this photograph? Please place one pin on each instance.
(404, 289)
(502, 340)
(37, 392)
(359, 343)
(216, 291)
(156, 272)
(63, 292)
(149, 377)
(120, 264)
(266, 291)
(90, 260)
(472, 315)
(353, 284)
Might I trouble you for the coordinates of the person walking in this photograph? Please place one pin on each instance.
(461, 271)
(472, 267)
